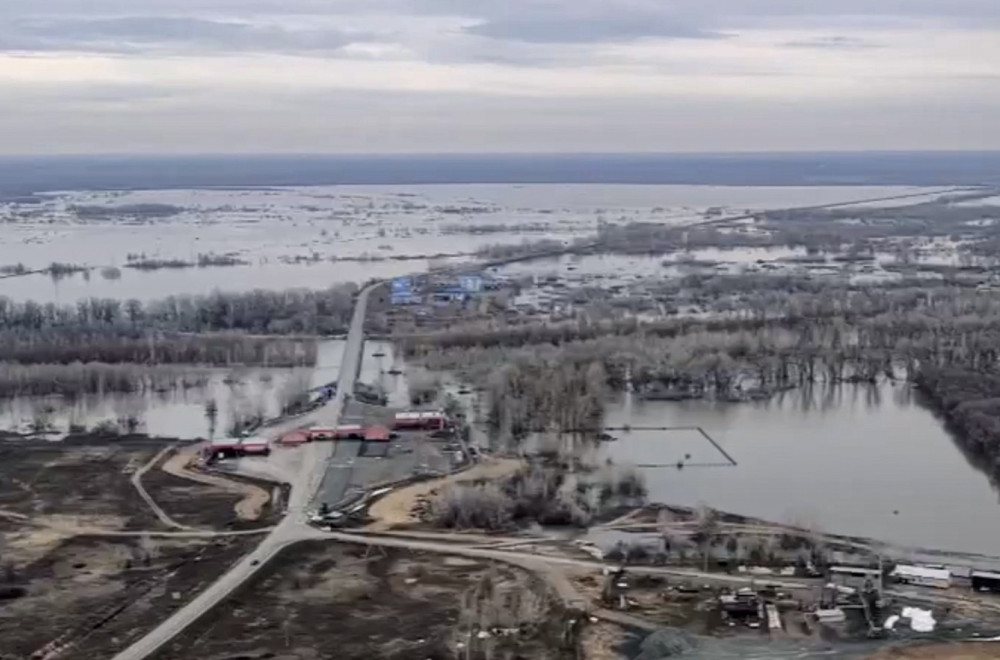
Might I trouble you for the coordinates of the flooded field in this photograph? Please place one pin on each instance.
(867, 461)
(310, 237)
(182, 412)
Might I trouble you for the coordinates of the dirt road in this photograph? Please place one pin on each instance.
(254, 499)
(957, 651)
(147, 498)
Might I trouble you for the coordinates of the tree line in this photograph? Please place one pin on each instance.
(259, 311)
(175, 330)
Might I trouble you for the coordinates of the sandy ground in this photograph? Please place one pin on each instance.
(47, 532)
(254, 498)
(396, 508)
(964, 651)
(599, 641)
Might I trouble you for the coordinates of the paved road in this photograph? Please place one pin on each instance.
(820, 207)
(293, 528)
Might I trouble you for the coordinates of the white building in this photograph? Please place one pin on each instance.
(939, 578)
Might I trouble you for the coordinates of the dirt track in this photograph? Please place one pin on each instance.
(254, 499)
(396, 508)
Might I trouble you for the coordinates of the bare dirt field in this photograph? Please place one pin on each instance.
(52, 492)
(321, 600)
(92, 596)
(958, 651)
(46, 479)
(67, 582)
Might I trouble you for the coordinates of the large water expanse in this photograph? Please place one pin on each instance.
(310, 237)
(869, 461)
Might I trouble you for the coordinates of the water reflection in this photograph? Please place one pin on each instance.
(841, 457)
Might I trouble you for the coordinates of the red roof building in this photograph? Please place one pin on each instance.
(255, 445)
(295, 438)
(426, 421)
(376, 434)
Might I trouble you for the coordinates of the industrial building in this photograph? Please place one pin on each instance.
(420, 421)
(342, 432)
(856, 577)
(939, 578)
(986, 581)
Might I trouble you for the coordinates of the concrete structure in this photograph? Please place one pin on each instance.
(939, 578)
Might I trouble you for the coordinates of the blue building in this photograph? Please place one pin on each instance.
(403, 292)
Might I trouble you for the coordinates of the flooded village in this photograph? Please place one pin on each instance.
(501, 421)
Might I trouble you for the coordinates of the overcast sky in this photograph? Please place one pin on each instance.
(358, 76)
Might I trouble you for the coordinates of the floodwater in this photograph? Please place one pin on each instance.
(181, 413)
(858, 460)
(154, 285)
(378, 358)
(267, 227)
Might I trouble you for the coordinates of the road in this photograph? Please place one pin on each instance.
(819, 207)
(293, 527)
(137, 483)
(539, 562)
(308, 481)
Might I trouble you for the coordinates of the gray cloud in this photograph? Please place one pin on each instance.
(144, 33)
(249, 25)
(840, 42)
(572, 27)
(485, 10)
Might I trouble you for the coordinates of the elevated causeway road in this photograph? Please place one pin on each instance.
(293, 528)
